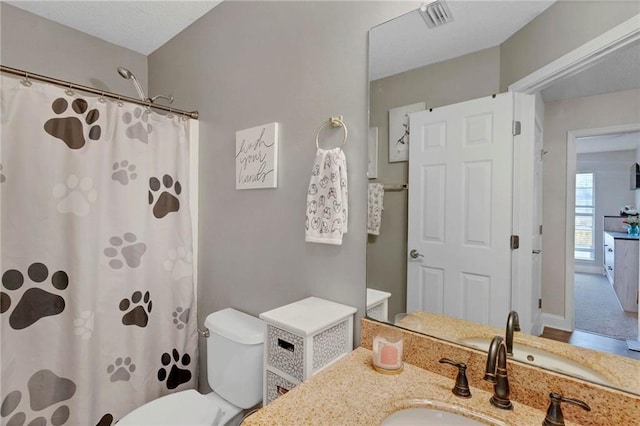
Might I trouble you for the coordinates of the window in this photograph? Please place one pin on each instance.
(585, 216)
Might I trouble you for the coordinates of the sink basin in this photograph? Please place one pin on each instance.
(427, 416)
(541, 358)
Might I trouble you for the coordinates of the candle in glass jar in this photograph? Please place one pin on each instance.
(387, 352)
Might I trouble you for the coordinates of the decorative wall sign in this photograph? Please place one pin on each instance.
(257, 157)
(399, 131)
(372, 171)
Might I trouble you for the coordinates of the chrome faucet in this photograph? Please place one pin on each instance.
(513, 324)
(496, 373)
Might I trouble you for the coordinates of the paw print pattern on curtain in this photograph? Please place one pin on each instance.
(96, 286)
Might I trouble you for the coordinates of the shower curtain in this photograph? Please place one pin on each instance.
(96, 295)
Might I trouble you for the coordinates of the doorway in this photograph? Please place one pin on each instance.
(600, 161)
(558, 256)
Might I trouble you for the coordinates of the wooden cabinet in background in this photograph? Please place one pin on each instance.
(621, 258)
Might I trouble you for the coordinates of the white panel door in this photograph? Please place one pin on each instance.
(460, 207)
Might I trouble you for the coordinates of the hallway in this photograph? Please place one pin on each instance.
(598, 311)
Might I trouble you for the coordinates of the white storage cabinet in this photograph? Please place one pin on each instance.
(301, 339)
(377, 304)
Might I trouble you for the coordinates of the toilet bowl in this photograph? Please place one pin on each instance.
(234, 372)
(185, 408)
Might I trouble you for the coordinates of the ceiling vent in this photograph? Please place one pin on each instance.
(435, 13)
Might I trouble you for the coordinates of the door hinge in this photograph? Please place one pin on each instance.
(515, 242)
(540, 230)
(516, 127)
(539, 303)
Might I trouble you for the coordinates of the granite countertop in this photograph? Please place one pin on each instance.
(351, 392)
(621, 235)
(619, 372)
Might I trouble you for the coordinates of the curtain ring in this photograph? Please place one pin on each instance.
(333, 122)
(102, 99)
(119, 102)
(170, 113)
(25, 81)
(70, 91)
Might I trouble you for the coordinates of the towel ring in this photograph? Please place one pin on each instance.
(333, 122)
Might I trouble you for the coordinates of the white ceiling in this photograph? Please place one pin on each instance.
(397, 45)
(406, 42)
(142, 26)
(606, 143)
(618, 71)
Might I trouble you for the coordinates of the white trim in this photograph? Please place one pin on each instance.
(608, 130)
(524, 110)
(581, 58)
(572, 63)
(570, 226)
(557, 322)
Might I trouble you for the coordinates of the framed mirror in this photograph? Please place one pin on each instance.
(461, 61)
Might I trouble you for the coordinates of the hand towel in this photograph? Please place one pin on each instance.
(327, 205)
(375, 207)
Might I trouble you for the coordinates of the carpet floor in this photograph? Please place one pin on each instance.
(597, 309)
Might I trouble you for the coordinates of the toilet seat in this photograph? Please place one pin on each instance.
(188, 407)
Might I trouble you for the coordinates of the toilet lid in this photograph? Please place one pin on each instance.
(181, 408)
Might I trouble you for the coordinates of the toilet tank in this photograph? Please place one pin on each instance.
(234, 356)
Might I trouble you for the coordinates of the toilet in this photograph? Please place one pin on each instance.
(234, 372)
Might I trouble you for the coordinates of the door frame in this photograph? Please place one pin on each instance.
(571, 63)
(571, 197)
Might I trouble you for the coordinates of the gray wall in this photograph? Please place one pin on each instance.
(248, 63)
(560, 117)
(467, 77)
(561, 28)
(35, 44)
(297, 63)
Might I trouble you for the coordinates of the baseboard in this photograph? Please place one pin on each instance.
(589, 269)
(556, 321)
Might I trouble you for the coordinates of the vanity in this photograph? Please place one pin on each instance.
(621, 259)
(351, 392)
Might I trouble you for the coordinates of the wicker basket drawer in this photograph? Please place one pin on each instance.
(285, 351)
(276, 386)
(330, 344)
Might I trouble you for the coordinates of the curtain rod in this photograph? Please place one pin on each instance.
(67, 84)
